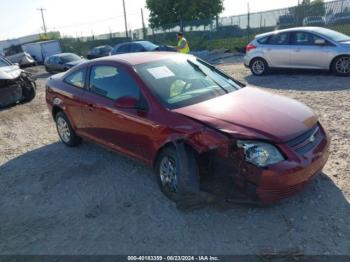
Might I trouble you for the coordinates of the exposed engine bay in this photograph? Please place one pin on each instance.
(16, 85)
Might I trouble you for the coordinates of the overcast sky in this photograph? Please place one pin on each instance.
(82, 17)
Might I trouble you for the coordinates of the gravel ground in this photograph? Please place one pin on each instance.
(87, 200)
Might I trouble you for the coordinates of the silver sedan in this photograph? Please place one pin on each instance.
(302, 48)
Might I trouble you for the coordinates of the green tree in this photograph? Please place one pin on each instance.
(165, 13)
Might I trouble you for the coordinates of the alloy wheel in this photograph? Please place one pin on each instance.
(258, 67)
(343, 65)
(63, 129)
(168, 174)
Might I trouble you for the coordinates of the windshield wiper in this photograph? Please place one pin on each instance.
(216, 70)
(199, 69)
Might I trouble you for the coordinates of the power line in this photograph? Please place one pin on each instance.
(92, 22)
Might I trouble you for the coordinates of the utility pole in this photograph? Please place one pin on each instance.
(143, 25)
(42, 16)
(126, 25)
(248, 25)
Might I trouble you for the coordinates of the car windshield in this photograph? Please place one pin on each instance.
(4, 63)
(70, 58)
(333, 35)
(184, 81)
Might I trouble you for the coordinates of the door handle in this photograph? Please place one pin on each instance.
(91, 107)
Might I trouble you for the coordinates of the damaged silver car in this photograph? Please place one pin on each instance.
(16, 85)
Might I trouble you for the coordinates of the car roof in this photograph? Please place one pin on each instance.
(63, 54)
(305, 28)
(138, 58)
(101, 46)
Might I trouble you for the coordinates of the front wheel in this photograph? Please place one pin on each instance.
(341, 66)
(177, 173)
(65, 130)
(28, 88)
(259, 67)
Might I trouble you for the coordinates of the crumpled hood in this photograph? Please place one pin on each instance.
(254, 114)
(10, 72)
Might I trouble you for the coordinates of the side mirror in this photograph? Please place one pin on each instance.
(126, 102)
(320, 42)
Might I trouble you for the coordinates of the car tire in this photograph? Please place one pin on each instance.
(341, 66)
(29, 93)
(65, 130)
(48, 70)
(259, 67)
(29, 89)
(179, 182)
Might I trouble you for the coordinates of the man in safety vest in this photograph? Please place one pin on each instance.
(182, 45)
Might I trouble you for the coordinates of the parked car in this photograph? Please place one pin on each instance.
(314, 21)
(62, 62)
(285, 21)
(182, 116)
(16, 85)
(140, 46)
(22, 59)
(340, 19)
(304, 48)
(100, 51)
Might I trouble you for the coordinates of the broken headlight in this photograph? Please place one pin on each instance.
(259, 153)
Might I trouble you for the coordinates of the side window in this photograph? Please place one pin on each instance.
(303, 38)
(123, 49)
(279, 39)
(56, 60)
(137, 48)
(112, 82)
(76, 78)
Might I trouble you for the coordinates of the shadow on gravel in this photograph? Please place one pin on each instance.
(300, 80)
(86, 200)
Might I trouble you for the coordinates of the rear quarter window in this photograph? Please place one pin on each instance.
(263, 40)
(76, 78)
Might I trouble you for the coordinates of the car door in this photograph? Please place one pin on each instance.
(136, 48)
(123, 49)
(125, 130)
(278, 50)
(56, 67)
(306, 53)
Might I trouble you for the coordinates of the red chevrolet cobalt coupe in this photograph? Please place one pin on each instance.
(188, 120)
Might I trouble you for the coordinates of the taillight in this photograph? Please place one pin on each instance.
(250, 47)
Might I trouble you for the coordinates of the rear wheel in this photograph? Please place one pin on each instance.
(341, 66)
(259, 67)
(65, 130)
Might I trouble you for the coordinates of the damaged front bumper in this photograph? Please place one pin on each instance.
(287, 178)
(19, 89)
(236, 180)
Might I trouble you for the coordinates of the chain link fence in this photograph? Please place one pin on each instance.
(232, 32)
(235, 31)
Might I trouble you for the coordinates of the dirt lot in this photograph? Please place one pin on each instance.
(86, 200)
